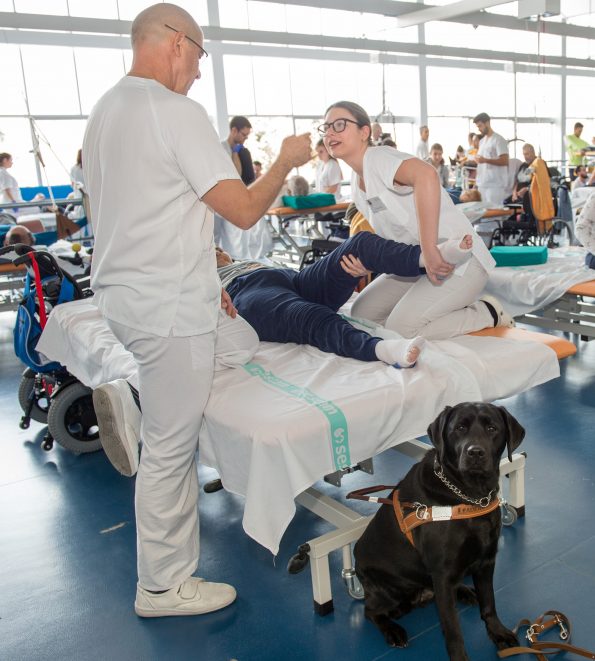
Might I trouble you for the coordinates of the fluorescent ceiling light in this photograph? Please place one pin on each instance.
(445, 12)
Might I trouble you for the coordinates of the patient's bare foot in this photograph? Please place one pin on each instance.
(456, 252)
(400, 353)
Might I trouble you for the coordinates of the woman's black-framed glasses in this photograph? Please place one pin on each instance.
(338, 126)
(203, 52)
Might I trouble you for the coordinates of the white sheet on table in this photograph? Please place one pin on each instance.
(269, 446)
(526, 288)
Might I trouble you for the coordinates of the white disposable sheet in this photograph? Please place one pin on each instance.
(523, 289)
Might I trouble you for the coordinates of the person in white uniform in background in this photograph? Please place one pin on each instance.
(423, 146)
(76, 171)
(155, 281)
(328, 172)
(402, 198)
(9, 188)
(491, 178)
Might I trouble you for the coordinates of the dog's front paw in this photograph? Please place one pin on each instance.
(504, 638)
(466, 595)
(395, 635)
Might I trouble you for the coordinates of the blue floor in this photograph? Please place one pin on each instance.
(67, 551)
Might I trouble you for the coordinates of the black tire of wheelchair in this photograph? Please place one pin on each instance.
(38, 412)
(72, 421)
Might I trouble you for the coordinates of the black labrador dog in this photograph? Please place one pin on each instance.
(398, 575)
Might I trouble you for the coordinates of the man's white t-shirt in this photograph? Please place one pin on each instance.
(391, 210)
(150, 156)
(327, 175)
(488, 175)
(422, 151)
(9, 183)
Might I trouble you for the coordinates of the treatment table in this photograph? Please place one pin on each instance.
(557, 295)
(299, 414)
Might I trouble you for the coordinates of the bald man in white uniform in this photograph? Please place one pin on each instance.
(155, 172)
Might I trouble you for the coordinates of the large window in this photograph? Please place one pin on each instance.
(467, 92)
(58, 85)
(59, 142)
(13, 91)
(15, 139)
(97, 70)
(51, 80)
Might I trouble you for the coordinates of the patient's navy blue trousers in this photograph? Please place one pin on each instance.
(283, 305)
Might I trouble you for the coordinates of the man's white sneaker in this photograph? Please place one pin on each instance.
(495, 306)
(194, 597)
(118, 418)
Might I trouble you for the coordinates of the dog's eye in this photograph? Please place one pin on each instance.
(491, 428)
(461, 427)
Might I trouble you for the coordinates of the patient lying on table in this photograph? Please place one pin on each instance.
(283, 305)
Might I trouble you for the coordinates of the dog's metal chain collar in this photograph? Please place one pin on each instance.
(482, 502)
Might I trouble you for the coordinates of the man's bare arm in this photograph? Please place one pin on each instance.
(244, 206)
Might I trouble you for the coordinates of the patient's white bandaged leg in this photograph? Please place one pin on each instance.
(403, 353)
(236, 342)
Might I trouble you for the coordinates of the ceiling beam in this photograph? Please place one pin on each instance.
(319, 50)
(218, 34)
(444, 12)
(389, 8)
(396, 8)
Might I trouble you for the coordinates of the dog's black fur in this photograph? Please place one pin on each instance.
(468, 440)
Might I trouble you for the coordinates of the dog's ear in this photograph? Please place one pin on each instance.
(515, 433)
(436, 431)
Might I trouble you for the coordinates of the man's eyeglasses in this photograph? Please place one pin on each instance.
(203, 52)
(338, 126)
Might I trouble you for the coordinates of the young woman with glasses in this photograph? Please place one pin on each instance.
(402, 198)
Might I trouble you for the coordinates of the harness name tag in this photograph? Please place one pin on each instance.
(376, 204)
(441, 513)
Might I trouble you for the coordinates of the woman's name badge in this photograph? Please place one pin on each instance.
(376, 204)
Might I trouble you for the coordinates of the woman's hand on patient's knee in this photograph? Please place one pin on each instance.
(353, 266)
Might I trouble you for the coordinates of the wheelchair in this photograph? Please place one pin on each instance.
(524, 229)
(47, 392)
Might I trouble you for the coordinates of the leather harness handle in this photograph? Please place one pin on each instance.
(541, 649)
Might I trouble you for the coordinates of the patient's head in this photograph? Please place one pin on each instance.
(472, 195)
(298, 185)
(19, 234)
(223, 258)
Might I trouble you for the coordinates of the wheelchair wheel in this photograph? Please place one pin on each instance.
(72, 421)
(41, 403)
